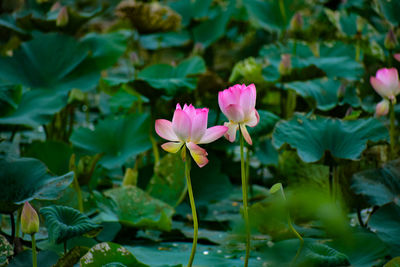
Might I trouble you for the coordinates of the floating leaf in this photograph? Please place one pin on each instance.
(171, 79)
(135, 208)
(386, 224)
(380, 186)
(64, 223)
(343, 139)
(25, 179)
(104, 254)
(118, 138)
(168, 182)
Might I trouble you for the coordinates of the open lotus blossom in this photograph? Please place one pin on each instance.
(386, 83)
(189, 126)
(238, 104)
(382, 108)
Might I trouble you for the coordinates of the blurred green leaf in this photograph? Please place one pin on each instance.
(64, 223)
(312, 137)
(168, 182)
(380, 186)
(10, 95)
(171, 79)
(389, 10)
(106, 253)
(25, 179)
(318, 254)
(164, 40)
(135, 208)
(266, 153)
(119, 138)
(395, 262)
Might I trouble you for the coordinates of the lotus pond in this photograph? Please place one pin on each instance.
(215, 133)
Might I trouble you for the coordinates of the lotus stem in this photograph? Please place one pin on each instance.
(245, 198)
(155, 150)
(193, 206)
(12, 219)
(78, 193)
(18, 227)
(34, 256)
(392, 131)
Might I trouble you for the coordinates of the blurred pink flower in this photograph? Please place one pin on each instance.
(189, 126)
(238, 104)
(397, 57)
(382, 108)
(386, 83)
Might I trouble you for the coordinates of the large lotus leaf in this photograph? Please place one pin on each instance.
(364, 249)
(54, 154)
(106, 253)
(269, 15)
(118, 138)
(171, 79)
(39, 64)
(318, 254)
(136, 208)
(168, 182)
(35, 108)
(9, 22)
(156, 41)
(312, 137)
(265, 125)
(25, 179)
(64, 223)
(44, 259)
(389, 9)
(380, 186)
(386, 224)
(325, 92)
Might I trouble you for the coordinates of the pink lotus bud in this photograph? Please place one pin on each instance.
(285, 67)
(238, 105)
(382, 108)
(29, 220)
(390, 40)
(62, 18)
(397, 57)
(386, 83)
(189, 126)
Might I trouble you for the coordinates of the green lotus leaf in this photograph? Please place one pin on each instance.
(268, 14)
(266, 124)
(325, 92)
(25, 179)
(168, 182)
(156, 41)
(386, 224)
(109, 254)
(118, 138)
(64, 223)
(380, 186)
(318, 254)
(9, 98)
(171, 79)
(312, 137)
(135, 208)
(389, 10)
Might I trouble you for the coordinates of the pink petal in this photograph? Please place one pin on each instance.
(164, 130)
(199, 124)
(247, 100)
(172, 147)
(190, 111)
(234, 113)
(199, 154)
(178, 106)
(389, 77)
(213, 134)
(254, 119)
(231, 133)
(380, 87)
(181, 124)
(382, 108)
(226, 98)
(397, 57)
(246, 134)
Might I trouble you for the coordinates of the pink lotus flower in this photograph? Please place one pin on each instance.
(382, 108)
(189, 126)
(238, 104)
(386, 83)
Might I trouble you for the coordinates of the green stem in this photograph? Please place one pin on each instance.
(193, 206)
(248, 172)
(18, 227)
(294, 232)
(282, 9)
(245, 209)
(34, 257)
(392, 131)
(155, 150)
(78, 193)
